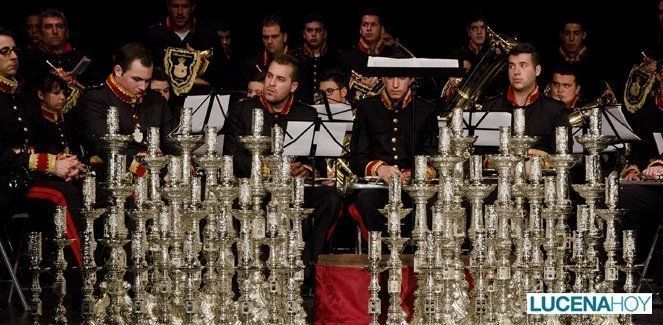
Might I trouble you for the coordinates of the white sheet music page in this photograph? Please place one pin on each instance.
(200, 103)
(383, 62)
(487, 129)
(326, 146)
(298, 138)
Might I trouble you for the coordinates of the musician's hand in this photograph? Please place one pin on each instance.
(65, 75)
(631, 175)
(370, 81)
(67, 168)
(407, 176)
(387, 172)
(330, 175)
(298, 169)
(653, 171)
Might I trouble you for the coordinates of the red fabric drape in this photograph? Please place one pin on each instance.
(44, 193)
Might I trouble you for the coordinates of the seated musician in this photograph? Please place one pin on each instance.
(139, 108)
(542, 113)
(644, 163)
(565, 86)
(51, 172)
(382, 143)
(279, 106)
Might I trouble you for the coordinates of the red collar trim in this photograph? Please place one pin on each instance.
(389, 104)
(8, 86)
(67, 48)
(121, 93)
(286, 108)
(531, 97)
(363, 46)
(52, 116)
(267, 58)
(169, 25)
(309, 53)
(579, 56)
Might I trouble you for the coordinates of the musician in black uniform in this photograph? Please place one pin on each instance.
(314, 56)
(56, 49)
(31, 180)
(565, 86)
(275, 41)
(279, 106)
(476, 34)
(370, 44)
(181, 30)
(139, 107)
(542, 113)
(644, 162)
(382, 143)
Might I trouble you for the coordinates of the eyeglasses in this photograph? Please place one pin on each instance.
(330, 91)
(6, 51)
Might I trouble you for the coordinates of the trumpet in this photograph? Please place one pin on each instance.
(581, 115)
(362, 88)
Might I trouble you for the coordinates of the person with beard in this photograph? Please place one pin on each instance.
(314, 57)
(32, 34)
(55, 54)
(274, 37)
(542, 113)
(279, 105)
(139, 108)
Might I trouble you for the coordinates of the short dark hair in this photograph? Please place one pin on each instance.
(272, 20)
(336, 76)
(258, 77)
(572, 20)
(289, 60)
(526, 48)
(6, 32)
(567, 69)
(372, 12)
(223, 27)
(191, 2)
(130, 52)
(159, 75)
(52, 13)
(313, 17)
(474, 17)
(47, 82)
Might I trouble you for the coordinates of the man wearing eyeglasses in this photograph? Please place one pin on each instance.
(334, 84)
(314, 56)
(48, 183)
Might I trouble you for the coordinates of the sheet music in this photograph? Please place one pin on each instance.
(383, 62)
(616, 116)
(487, 126)
(298, 138)
(326, 146)
(340, 112)
(199, 103)
(658, 138)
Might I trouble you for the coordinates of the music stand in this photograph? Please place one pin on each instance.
(208, 110)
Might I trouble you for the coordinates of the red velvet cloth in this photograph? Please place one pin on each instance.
(341, 294)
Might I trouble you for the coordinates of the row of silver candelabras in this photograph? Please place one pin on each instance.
(180, 265)
(520, 240)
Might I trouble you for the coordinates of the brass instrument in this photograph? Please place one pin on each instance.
(362, 88)
(493, 59)
(581, 114)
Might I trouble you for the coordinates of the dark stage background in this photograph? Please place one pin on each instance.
(618, 30)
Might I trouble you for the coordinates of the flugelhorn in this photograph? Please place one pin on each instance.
(581, 115)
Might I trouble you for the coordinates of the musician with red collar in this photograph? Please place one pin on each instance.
(56, 49)
(476, 34)
(382, 143)
(279, 105)
(542, 113)
(181, 30)
(565, 86)
(314, 57)
(139, 107)
(30, 179)
(275, 41)
(370, 44)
